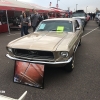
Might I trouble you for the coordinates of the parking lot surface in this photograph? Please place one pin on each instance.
(83, 83)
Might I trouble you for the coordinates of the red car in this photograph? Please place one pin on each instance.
(88, 17)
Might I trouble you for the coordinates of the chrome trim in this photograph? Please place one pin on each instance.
(76, 46)
(40, 62)
(33, 59)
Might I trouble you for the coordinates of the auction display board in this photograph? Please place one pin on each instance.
(29, 74)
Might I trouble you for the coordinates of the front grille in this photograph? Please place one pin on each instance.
(33, 54)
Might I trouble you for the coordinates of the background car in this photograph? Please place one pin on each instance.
(88, 17)
(96, 17)
(81, 23)
(80, 14)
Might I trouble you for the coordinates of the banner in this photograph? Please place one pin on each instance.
(29, 74)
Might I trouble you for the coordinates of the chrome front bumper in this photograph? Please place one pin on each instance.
(40, 62)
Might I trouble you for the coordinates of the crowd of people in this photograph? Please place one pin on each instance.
(92, 16)
(33, 20)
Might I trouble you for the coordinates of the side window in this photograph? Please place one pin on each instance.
(76, 24)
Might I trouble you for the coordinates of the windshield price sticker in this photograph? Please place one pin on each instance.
(60, 28)
(42, 26)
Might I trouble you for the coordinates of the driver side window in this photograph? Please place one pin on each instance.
(76, 24)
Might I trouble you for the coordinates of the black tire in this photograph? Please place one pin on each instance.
(70, 66)
(80, 42)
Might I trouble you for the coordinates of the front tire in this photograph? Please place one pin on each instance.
(70, 66)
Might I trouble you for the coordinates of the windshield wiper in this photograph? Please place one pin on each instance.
(56, 30)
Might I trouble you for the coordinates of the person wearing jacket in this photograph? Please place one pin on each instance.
(24, 24)
(34, 19)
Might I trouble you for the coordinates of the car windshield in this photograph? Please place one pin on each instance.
(56, 25)
(78, 15)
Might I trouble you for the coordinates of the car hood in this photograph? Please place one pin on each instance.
(49, 41)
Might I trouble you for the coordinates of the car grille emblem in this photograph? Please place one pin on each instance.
(34, 52)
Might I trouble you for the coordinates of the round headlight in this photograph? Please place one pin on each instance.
(64, 54)
(9, 49)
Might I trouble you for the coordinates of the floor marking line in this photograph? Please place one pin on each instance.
(89, 32)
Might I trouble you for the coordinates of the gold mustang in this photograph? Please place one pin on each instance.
(53, 43)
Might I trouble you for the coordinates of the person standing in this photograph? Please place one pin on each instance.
(24, 24)
(34, 19)
(40, 19)
(45, 16)
(93, 16)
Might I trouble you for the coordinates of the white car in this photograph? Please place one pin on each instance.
(81, 23)
(82, 16)
(97, 17)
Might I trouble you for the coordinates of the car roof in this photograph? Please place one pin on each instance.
(77, 18)
(80, 11)
(67, 19)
